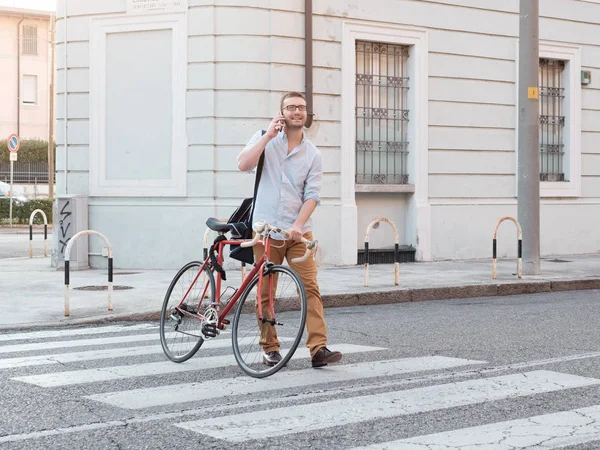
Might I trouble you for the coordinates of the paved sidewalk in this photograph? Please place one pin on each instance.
(32, 293)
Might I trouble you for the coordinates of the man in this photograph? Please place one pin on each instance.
(288, 194)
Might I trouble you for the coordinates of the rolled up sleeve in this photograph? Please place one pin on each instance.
(253, 140)
(312, 186)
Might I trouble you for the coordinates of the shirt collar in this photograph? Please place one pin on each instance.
(284, 137)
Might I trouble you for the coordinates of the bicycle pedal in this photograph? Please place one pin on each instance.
(225, 322)
(210, 330)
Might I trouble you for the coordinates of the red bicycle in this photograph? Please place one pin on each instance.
(271, 305)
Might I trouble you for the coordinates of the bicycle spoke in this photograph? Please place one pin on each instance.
(189, 292)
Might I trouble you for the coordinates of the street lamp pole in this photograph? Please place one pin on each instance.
(528, 192)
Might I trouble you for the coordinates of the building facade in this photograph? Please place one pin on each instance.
(24, 73)
(415, 112)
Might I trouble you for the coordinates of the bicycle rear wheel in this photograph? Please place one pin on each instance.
(180, 324)
(252, 337)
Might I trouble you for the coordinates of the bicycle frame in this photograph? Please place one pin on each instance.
(258, 268)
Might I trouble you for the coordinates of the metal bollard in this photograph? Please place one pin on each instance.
(519, 247)
(31, 232)
(67, 269)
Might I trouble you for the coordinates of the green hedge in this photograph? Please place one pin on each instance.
(30, 150)
(22, 211)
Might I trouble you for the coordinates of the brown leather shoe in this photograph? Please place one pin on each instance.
(325, 356)
(272, 358)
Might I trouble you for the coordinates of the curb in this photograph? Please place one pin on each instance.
(371, 298)
(455, 292)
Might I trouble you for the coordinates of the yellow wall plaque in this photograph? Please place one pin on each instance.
(532, 92)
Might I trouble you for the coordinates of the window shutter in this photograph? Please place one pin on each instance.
(29, 94)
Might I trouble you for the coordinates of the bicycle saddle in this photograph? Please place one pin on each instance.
(217, 225)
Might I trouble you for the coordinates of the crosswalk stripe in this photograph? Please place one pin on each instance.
(548, 431)
(204, 410)
(334, 413)
(63, 358)
(74, 332)
(155, 368)
(189, 392)
(78, 343)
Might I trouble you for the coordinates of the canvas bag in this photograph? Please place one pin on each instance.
(241, 220)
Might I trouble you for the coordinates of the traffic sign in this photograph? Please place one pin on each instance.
(14, 143)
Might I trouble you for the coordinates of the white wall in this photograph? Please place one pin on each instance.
(472, 157)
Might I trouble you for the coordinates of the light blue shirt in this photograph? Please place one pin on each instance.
(287, 181)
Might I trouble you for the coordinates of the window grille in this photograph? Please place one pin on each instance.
(552, 119)
(382, 113)
(30, 40)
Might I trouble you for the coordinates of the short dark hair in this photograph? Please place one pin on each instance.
(292, 94)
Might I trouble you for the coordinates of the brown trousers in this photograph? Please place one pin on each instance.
(307, 270)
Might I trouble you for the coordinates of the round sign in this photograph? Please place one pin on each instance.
(13, 143)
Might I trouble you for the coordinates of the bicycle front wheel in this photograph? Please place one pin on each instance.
(180, 319)
(282, 327)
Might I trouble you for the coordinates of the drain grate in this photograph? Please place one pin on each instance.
(556, 260)
(102, 288)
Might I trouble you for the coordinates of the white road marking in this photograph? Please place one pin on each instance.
(74, 332)
(545, 432)
(156, 368)
(225, 388)
(79, 343)
(347, 411)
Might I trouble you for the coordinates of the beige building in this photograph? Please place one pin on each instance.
(415, 111)
(24, 72)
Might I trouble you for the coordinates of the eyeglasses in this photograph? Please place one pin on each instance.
(293, 107)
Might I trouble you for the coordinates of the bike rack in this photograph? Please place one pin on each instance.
(67, 258)
(31, 232)
(519, 247)
(375, 225)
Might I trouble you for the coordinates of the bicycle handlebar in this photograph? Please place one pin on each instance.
(262, 227)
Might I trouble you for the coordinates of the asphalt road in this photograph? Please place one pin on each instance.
(13, 245)
(507, 372)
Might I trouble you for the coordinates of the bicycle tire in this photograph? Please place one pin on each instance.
(296, 340)
(165, 312)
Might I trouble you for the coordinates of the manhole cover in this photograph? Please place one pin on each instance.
(557, 260)
(102, 288)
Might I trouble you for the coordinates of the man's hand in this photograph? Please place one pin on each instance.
(295, 233)
(276, 125)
